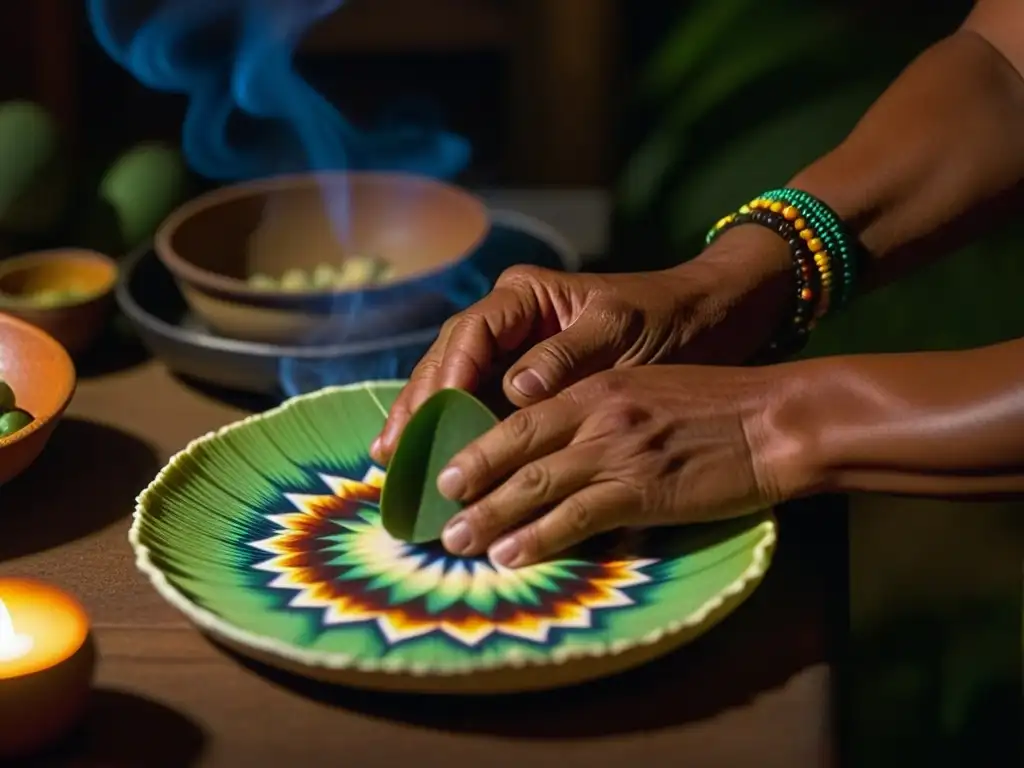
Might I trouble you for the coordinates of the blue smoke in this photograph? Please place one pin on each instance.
(250, 113)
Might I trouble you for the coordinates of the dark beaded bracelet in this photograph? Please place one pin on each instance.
(846, 251)
(807, 279)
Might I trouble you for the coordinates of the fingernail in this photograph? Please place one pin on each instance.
(529, 384)
(375, 446)
(457, 536)
(505, 553)
(451, 483)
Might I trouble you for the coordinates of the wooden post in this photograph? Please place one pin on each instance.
(562, 72)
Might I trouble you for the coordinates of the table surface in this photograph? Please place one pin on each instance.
(754, 692)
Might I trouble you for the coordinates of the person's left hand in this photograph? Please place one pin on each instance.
(647, 446)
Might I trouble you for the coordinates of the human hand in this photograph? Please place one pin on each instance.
(557, 328)
(649, 446)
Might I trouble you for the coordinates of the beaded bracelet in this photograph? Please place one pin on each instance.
(841, 247)
(807, 278)
(833, 246)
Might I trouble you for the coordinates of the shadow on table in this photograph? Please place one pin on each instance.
(117, 349)
(245, 401)
(86, 479)
(779, 631)
(129, 731)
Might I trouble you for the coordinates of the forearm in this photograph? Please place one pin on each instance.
(935, 160)
(939, 156)
(929, 424)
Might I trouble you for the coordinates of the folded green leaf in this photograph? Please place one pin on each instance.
(411, 507)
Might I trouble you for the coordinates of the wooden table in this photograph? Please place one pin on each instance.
(755, 692)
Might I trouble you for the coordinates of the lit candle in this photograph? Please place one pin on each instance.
(46, 665)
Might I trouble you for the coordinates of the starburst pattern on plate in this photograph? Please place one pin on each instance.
(335, 555)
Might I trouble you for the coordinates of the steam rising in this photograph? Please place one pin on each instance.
(250, 113)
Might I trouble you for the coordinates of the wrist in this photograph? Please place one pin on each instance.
(744, 287)
(788, 434)
(744, 257)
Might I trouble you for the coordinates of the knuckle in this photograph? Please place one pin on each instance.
(475, 464)
(446, 328)
(533, 480)
(578, 517)
(521, 426)
(607, 307)
(483, 518)
(466, 322)
(617, 315)
(622, 419)
(555, 356)
(520, 274)
(427, 368)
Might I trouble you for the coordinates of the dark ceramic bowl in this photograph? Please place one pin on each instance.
(422, 229)
(149, 297)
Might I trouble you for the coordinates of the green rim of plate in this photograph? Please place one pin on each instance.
(266, 533)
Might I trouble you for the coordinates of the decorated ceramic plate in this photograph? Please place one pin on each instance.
(267, 535)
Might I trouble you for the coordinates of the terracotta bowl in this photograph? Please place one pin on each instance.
(41, 373)
(68, 293)
(425, 230)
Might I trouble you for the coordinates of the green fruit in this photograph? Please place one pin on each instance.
(33, 177)
(14, 421)
(7, 398)
(141, 188)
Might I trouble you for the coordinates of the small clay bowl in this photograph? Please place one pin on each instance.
(68, 293)
(423, 229)
(41, 373)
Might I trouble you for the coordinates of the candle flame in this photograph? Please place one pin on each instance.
(12, 645)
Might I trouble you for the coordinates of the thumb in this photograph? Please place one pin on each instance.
(585, 347)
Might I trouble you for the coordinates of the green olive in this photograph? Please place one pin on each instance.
(7, 399)
(14, 421)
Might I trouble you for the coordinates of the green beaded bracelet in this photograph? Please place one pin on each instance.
(839, 241)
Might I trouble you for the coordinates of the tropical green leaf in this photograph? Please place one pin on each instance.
(411, 507)
(764, 156)
(645, 173)
(696, 34)
(768, 49)
(727, 70)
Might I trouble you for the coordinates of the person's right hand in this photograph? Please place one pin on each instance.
(553, 328)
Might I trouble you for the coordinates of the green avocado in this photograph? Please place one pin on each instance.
(140, 189)
(34, 178)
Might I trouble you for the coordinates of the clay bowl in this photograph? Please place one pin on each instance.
(423, 229)
(67, 293)
(43, 378)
